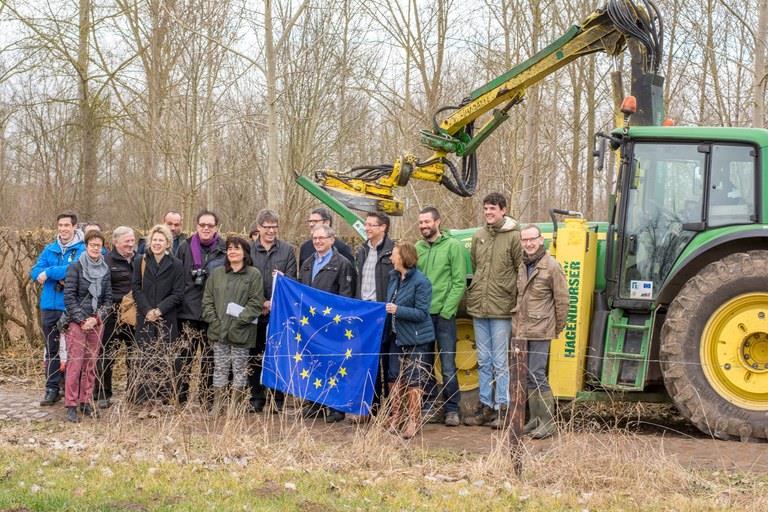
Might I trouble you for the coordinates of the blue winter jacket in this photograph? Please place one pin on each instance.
(413, 325)
(54, 263)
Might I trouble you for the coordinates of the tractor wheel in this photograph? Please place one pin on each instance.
(714, 348)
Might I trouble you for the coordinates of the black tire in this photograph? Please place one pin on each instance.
(681, 338)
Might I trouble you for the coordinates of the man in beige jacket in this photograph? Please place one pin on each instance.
(542, 309)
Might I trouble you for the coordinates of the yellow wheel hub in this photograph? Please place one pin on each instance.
(734, 351)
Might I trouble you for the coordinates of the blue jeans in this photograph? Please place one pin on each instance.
(53, 376)
(492, 341)
(445, 332)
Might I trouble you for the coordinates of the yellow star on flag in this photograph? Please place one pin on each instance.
(304, 373)
(298, 336)
(304, 320)
(348, 353)
(312, 310)
(327, 311)
(348, 333)
(343, 371)
(297, 357)
(318, 383)
(332, 382)
(337, 319)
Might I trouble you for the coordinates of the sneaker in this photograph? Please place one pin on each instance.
(51, 397)
(72, 416)
(452, 419)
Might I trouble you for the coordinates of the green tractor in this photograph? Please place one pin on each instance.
(669, 297)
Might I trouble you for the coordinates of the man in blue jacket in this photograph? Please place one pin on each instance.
(50, 270)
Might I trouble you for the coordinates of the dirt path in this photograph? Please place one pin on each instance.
(19, 402)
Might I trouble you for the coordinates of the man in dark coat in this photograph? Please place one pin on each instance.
(116, 333)
(269, 255)
(171, 219)
(373, 265)
(322, 217)
(331, 272)
(199, 255)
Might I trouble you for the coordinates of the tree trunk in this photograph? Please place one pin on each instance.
(274, 179)
(758, 85)
(88, 122)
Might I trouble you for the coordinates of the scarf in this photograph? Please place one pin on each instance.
(196, 246)
(534, 258)
(76, 238)
(94, 272)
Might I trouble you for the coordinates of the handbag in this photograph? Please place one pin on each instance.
(127, 311)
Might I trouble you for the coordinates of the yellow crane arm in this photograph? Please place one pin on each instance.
(608, 30)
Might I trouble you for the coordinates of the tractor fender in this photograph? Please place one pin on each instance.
(741, 241)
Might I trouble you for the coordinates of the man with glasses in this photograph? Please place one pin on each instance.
(541, 314)
(373, 265)
(199, 255)
(322, 217)
(269, 255)
(331, 272)
(50, 270)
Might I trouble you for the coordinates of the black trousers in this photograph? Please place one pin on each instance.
(115, 334)
(255, 366)
(194, 337)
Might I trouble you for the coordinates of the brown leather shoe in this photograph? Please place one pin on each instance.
(483, 414)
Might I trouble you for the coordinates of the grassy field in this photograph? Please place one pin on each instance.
(188, 462)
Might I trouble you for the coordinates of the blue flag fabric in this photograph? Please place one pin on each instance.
(323, 347)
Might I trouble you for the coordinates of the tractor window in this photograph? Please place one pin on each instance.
(732, 186)
(666, 191)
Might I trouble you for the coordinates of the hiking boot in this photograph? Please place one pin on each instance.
(500, 420)
(452, 419)
(482, 415)
(72, 416)
(432, 416)
(104, 403)
(51, 397)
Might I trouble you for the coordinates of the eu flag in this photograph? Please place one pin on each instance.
(323, 347)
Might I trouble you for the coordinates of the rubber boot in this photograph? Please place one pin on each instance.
(413, 406)
(546, 416)
(534, 406)
(395, 400)
(219, 396)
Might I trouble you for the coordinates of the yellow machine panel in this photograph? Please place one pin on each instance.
(576, 251)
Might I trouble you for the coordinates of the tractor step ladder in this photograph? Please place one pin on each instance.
(627, 349)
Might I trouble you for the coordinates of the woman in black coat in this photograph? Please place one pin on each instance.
(158, 288)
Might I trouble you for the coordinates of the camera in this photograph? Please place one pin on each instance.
(198, 276)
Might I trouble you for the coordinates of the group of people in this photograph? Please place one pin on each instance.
(170, 296)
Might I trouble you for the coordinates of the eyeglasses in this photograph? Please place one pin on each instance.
(203, 225)
(95, 246)
(320, 237)
(524, 240)
(312, 222)
(269, 228)
(369, 225)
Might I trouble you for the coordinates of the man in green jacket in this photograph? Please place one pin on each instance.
(441, 259)
(496, 255)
